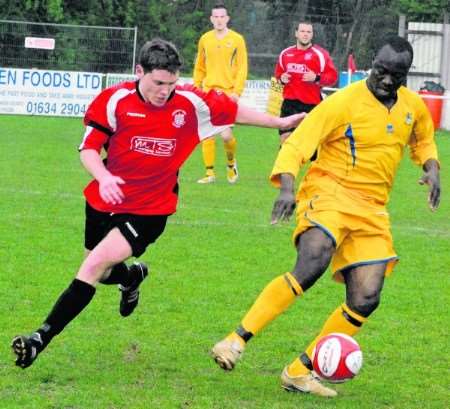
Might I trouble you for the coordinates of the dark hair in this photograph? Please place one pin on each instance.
(397, 43)
(219, 6)
(159, 54)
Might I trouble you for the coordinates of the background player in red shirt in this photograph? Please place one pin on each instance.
(148, 129)
(303, 69)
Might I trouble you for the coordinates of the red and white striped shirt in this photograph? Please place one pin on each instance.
(296, 62)
(146, 145)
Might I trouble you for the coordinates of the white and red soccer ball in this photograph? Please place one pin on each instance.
(337, 358)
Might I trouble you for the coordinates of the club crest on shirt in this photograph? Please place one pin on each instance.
(409, 118)
(153, 146)
(178, 118)
(308, 56)
(390, 128)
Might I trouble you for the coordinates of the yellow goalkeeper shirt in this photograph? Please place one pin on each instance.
(360, 142)
(221, 63)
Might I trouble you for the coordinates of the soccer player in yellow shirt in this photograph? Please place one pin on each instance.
(221, 64)
(360, 132)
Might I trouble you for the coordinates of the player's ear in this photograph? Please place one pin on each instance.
(139, 71)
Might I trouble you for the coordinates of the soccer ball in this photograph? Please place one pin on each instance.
(337, 358)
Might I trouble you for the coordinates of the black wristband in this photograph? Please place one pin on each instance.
(317, 78)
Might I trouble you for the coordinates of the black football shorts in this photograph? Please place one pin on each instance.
(139, 230)
(291, 107)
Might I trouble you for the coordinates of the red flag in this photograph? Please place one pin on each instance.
(351, 65)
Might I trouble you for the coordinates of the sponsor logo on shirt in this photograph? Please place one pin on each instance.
(179, 118)
(298, 68)
(153, 146)
(137, 114)
(409, 118)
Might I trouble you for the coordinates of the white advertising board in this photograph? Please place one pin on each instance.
(51, 93)
(255, 95)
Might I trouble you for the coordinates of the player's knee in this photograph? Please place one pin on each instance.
(364, 304)
(320, 252)
(93, 268)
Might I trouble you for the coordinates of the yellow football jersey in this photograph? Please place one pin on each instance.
(221, 63)
(360, 142)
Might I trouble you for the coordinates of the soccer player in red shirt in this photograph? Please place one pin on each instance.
(148, 129)
(303, 69)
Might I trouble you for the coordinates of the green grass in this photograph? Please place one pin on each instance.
(216, 255)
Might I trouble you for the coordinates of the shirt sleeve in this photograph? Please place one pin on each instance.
(329, 75)
(98, 130)
(278, 68)
(223, 109)
(200, 65)
(422, 145)
(214, 110)
(304, 141)
(241, 66)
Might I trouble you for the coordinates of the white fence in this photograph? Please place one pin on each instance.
(431, 44)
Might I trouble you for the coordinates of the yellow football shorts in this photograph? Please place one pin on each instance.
(359, 227)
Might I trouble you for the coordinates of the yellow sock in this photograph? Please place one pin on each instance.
(343, 320)
(209, 155)
(278, 295)
(230, 150)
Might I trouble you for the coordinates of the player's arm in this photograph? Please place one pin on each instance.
(298, 149)
(200, 65)
(242, 67)
(109, 188)
(329, 75)
(423, 152)
(432, 179)
(248, 116)
(280, 74)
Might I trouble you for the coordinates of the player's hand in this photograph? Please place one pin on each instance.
(309, 76)
(110, 190)
(285, 77)
(283, 207)
(292, 121)
(431, 178)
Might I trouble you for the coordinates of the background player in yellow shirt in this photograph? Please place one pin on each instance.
(360, 132)
(221, 64)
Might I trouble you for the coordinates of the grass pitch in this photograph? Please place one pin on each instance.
(216, 255)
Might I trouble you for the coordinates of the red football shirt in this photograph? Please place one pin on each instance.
(146, 145)
(296, 62)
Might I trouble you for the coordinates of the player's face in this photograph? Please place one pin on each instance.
(304, 34)
(156, 86)
(389, 71)
(219, 19)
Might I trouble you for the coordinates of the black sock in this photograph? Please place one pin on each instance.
(70, 303)
(119, 275)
